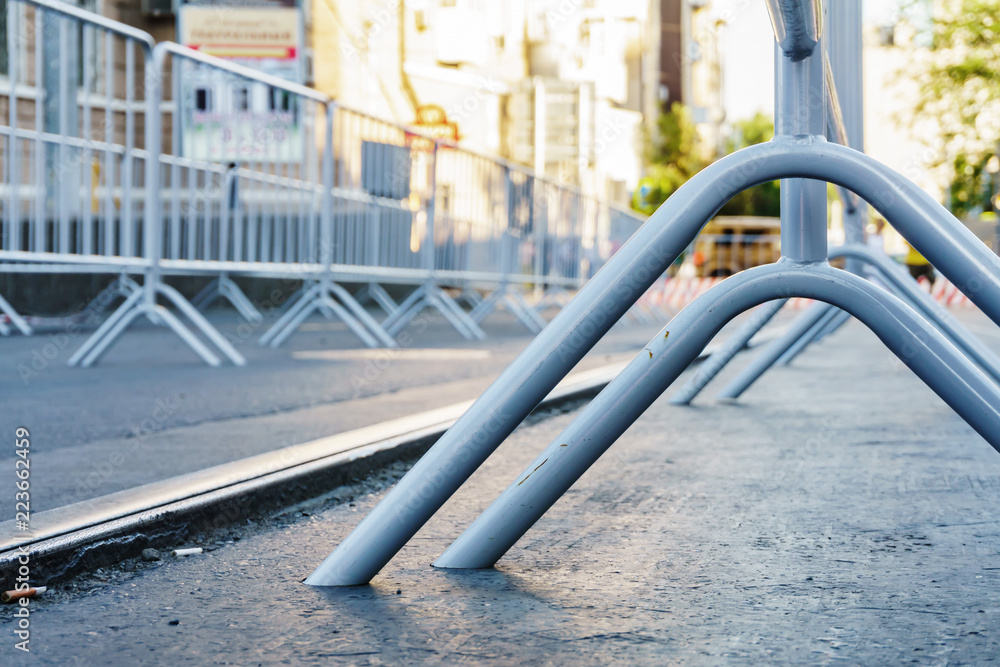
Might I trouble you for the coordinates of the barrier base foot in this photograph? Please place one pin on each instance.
(223, 287)
(432, 296)
(514, 302)
(333, 301)
(15, 319)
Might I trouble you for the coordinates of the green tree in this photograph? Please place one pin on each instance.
(673, 154)
(960, 91)
(763, 199)
(971, 186)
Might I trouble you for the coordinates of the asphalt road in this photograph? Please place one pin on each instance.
(839, 514)
(151, 410)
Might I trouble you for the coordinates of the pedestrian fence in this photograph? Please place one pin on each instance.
(128, 157)
(72, 162)
(255, 176)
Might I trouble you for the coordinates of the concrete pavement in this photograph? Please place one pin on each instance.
(840, 513)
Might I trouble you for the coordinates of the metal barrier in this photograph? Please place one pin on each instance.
(296, 187)
(72, 157)
(845, 127)
(257, 196)
(799, 150)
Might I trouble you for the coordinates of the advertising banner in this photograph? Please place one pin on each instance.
(225, 118)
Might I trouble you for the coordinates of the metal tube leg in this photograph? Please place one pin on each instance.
(15, 317)
(122, 286)
(106, 326)
(293, 300)
(202, 324)
(729, 349)
(774, 349)
(434, 298)
(115, 331)
(617, 407)
(352, 323)
(603, 300)
(293, 319)
(207, 295)
(839, 320)
(539, 321)
(185, 334)
(363, 295)
(460, 315)
(907, 288)
(305, 301)
(240, 301)
(483, 309)
(362, 316)
(382, 298)
(471, 297)
(390, 323)
(523, 315)
(808, 337)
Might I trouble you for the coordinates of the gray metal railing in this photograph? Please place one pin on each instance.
(798, 151)
(303, 188)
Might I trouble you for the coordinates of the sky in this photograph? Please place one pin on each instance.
(748, 60)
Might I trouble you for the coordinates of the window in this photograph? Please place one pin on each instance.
(4, 62)
(241, 98)
(202, 99)
(279, 100)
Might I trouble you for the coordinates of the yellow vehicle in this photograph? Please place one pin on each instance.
(729, 244)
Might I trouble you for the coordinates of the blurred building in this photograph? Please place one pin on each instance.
(563, 86)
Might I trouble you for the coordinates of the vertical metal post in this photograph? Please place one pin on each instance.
(326, 199)
(62, 184)
(729, 349)
(800, 109)
(127, 162)
(88, 181)
(12, 213)
(42, 77)
(429, 243)
(844, 52)
(508, 263)
(152, 219)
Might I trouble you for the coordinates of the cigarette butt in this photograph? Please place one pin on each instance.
(186, 552)
(14, 596)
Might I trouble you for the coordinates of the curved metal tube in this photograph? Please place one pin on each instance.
(838, 321)
(809, 337)
(604, 419)
(605, 298)
(803, 331)
(773, 351)
(902, 282)
(709, 368)
(830, 322)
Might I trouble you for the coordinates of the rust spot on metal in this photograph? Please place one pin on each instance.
(536, 468)
(665, 335)
(650, 352)
(562, 446)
